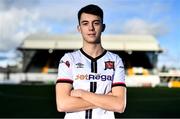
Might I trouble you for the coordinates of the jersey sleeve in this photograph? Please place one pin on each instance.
(119, 76)
(65, 70)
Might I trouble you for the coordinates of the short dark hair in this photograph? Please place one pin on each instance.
(91, 9)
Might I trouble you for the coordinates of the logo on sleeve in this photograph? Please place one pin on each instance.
(66, 63)
(109, 65)
(79, 65)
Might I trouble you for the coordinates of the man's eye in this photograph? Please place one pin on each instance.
(96, 23)
(84, 24)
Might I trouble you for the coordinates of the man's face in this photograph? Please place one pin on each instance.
(90, 27)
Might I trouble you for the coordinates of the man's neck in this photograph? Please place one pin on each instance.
(93, 50)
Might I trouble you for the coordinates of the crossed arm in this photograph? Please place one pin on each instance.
(69, 100)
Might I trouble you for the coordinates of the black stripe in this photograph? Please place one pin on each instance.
(93, 86)
(124, 85)
(64, 81)
(94, 66)
(88, 113)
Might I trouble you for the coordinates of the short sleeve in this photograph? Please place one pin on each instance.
(65, 70)
(119, 76)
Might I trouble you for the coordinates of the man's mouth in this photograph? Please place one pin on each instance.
(91, 34)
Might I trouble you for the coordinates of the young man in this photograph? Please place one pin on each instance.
(91, 81)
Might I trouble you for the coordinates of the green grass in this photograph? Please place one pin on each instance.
(39, 101)
(153, 102)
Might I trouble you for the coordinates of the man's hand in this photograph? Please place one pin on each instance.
(110, 93)
(114, 100)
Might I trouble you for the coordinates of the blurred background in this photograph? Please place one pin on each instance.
(35, 34)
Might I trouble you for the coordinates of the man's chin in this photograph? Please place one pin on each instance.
(94, 42)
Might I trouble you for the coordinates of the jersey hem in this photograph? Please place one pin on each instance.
(64, 81)
(119, 84)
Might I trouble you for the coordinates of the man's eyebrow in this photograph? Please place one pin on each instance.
(84, 21)
(97, 21)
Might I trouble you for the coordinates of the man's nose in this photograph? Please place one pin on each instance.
(91, 27)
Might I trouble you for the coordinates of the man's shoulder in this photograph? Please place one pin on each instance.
(112, 54)
(72, 53)
(75, 52)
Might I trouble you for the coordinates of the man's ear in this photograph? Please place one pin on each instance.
(103, 27)
(78, 28)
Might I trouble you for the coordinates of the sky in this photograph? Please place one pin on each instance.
(160, 18)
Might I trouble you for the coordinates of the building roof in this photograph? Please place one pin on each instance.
(109, 42)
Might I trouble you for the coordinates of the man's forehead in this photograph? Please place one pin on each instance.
(86, 17)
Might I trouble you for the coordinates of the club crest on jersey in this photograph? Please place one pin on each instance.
(66, 63)
(109, 65)
(79, 65)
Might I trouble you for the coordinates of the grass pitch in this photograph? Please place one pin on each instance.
(39, 101)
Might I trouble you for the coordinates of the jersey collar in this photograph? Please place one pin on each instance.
(91, 58)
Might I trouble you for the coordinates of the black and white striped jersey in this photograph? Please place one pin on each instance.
(97, 75)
